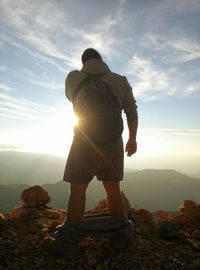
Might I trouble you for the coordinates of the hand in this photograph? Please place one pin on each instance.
(131, 147)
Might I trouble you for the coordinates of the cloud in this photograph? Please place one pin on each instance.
(194, 87)
(39, 33)
(3, 68)
(166, 70)
(187, 50)
(52, 85)
(22, 109)
(176, 50)
(26, 20)
(6, 88)
(177, 132)
(148, 79)
(35, 56)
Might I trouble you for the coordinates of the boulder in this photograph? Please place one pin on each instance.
(143, 220)
(190, 211)
(54, 214)
(187, 204)
(24, 213)
(35, 196)
(102, 206)
(160, 215)
(141, 215)
(179, 220)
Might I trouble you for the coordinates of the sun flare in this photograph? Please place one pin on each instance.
(53, 137)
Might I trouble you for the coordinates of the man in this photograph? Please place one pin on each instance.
(86, 157)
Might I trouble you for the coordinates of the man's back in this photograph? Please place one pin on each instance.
(117, 83)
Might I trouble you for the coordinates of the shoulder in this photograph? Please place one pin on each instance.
(116, 78)
(72, 74)
(73, 78)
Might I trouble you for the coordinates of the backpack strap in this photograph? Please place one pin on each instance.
(84, 81)
(112, 98)
(80, 85)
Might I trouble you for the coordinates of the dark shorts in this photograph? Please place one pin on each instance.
(86, 161)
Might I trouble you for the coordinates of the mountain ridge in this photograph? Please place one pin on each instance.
(148, 188)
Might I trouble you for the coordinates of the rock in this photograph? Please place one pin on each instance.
(143, 220)
(163, 216)
(194, 243)
(3, 220)
(167, 230)
(25, 213)
(179, 220)
(140, 215)
(54, 214)
(188, 204)
(21, 243)
(196, 234)
(50, 217)
(35, 196)
(102, 206)
(195, 265)
(190, 211)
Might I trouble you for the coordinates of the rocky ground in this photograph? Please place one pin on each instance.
(166, 243)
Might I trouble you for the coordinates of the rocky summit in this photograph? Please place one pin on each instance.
(160, 241)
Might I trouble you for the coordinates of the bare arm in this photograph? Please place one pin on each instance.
(131, 145)
(130, 109)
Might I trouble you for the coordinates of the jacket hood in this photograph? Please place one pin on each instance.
(95, 67)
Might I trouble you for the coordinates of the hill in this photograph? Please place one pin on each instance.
(152, 189)
(30, 168)
(163, 189)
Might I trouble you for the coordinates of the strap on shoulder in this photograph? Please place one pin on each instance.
(78, 88)
(86, 79)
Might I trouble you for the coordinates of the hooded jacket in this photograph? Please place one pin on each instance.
(117, 83)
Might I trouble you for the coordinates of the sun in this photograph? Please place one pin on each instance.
(55, 135)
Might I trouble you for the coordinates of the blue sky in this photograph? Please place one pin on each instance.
(156, 44)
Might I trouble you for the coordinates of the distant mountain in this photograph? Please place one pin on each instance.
(30, 168)
(160, 189)
(151, 189)
(9, 197)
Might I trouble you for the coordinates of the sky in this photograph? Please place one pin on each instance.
(155, 44)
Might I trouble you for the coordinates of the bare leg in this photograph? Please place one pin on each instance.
(115, 201)
(76, 202)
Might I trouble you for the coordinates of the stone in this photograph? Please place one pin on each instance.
(54, 214)
(3, 221)
(102, 206)
(35, 196)
(187, 204)
(141, 215)
(196, 234)
(167, 230)
(162, 216)
(190, 211)
(179, 220)
(24, 213)
(195, 265)
(143, 220)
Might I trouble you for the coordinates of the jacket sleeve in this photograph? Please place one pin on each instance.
(68, 89)
(129, 105)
